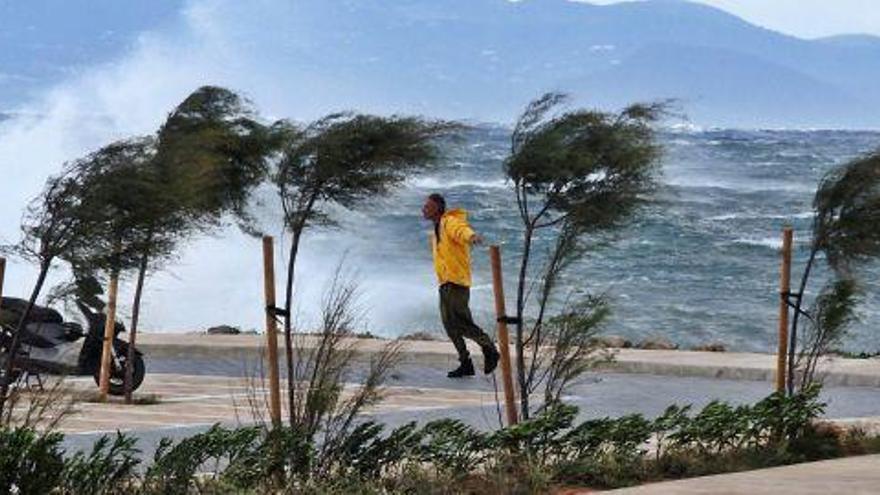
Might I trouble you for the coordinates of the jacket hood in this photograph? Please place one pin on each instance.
(459, 213)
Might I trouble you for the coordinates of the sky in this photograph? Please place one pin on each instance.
(802, 18)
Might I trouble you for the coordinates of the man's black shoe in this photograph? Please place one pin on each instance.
(490, 358)
(465, 369)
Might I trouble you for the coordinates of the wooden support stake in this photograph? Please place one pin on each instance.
(109, 335)
(503, 337)
(784, 288)
(2, 276)
(271, 330)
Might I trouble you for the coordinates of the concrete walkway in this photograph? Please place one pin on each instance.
(848, 476)
(724, 365)
(193, 401)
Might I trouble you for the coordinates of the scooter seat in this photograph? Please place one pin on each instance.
(33, 339)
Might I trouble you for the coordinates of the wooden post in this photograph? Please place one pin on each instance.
(109, 334)
(784, 288)
(2, 276)
(503, 337)
(271, 329)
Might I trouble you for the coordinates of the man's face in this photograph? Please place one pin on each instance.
(431, 210)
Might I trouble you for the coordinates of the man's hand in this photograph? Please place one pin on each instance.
(476, 239)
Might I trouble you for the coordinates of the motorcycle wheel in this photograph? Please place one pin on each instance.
(117, 375)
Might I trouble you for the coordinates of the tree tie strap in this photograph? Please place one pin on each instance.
(792, 299)
(277, 312)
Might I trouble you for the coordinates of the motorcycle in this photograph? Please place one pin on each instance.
(50, 345)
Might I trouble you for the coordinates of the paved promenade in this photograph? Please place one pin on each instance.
(848, 476)
(199, 380)
(193, 401)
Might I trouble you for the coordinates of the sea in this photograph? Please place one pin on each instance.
(699, 263)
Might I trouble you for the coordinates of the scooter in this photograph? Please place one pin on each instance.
(50, 345)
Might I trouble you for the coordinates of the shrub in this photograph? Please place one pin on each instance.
(109, 468)
(175, 466)
(443, 456)
(30, 462)
(452, 447)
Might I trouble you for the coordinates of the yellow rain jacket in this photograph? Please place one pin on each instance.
(452, 250)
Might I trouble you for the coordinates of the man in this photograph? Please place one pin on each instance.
(451, 246)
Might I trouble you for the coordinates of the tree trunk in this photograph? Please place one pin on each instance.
(132, 336)
(288, 324)
(520, 326)
(13, 346)
(792, 345)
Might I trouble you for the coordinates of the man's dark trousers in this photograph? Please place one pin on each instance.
(457, 319)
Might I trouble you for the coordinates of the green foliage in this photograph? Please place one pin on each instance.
(214, 153)
(109, 468)
(174, 466)
(340, 160)
(572, 335)
(539, 436)
(360, 450)
(716, 428)
(30, 462)
(452, 447)
(348, 158)
(443, 456)
(574, 172)
(121, 197)
(847, 204)
(586, 167)
(54, 222)
(835, 310)
(380, 454)
(144, 195)
(846, 228)
(833, 313)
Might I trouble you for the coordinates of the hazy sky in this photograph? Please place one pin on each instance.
(804, 18)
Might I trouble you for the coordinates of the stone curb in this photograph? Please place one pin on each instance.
(726, 366)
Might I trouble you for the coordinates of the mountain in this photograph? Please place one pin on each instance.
(483, 59)
(852, 40)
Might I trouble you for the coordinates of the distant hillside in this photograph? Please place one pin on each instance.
(484, 59)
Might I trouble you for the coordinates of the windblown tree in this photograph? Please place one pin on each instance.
(211, 153)
(846, 229)
(131, 215)
(342, 160)
(153, 193)
(52, 225)
(574, 173)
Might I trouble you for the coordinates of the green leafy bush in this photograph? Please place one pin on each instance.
(452, 447)
(109, 468)
(30, 461)
(443, 456)
(175, 466)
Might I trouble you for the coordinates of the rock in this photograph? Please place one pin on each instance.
(223, 330)
(419, 335)
(615, 341)
(656, 344)
(710, 347)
